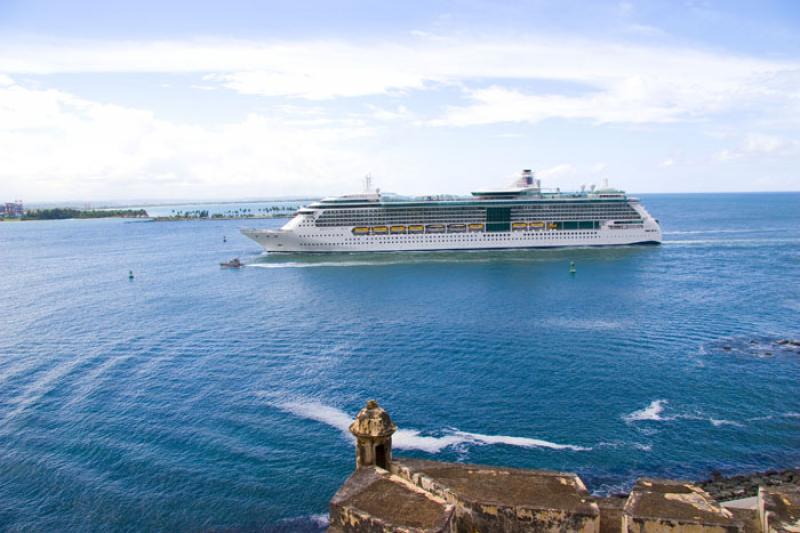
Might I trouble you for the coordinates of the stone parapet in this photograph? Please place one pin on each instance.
(611, 514)
(506, 499)
(779, 509)
(659, 505)
(386, 495)
(373, 500)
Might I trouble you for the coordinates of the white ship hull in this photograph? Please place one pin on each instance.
(522, 217)
(342, 240)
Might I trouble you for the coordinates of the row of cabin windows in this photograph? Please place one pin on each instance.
(440, 238)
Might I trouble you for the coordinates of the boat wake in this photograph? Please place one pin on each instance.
(654, 412)
(730, 242)
(412, 439)
(433, 257)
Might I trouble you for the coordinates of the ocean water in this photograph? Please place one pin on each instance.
(198, 398)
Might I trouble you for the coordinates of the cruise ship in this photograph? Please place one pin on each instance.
(523, 215)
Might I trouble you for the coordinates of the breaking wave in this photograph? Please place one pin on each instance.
(651, 412)
(412, 439)
(654, 412)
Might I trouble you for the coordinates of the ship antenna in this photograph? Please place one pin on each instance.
(368, 183)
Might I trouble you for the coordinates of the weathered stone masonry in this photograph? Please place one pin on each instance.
(411, 495)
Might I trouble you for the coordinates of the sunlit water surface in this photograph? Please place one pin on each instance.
(196, 398)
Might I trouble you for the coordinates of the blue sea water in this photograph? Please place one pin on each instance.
(198, 398)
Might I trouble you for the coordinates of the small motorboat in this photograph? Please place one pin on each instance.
(233, 263)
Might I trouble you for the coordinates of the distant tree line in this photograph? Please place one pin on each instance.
(244, 212)
(59, 213)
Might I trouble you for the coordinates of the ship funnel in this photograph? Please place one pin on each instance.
(526, 179)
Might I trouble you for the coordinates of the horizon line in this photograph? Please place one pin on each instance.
(154, 202)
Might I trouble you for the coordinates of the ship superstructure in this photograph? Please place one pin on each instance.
(521, 216)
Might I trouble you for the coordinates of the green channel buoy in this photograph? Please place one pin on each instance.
(130, 274)
(572, 269)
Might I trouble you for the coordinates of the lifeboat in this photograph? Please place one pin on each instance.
(457, 228)
(536, 225)
(519, 226)
(552, 225)
(416, 228)
(434, 228)
(475, 227)
(398, 229)
(361, 230)
(380, 230)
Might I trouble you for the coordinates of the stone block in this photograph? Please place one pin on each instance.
(665, 506)
(611, 514)
(374, 501)
(779, 509)
(506, 499)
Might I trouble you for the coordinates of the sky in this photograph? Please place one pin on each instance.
(194, 100)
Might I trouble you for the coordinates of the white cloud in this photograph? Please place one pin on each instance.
(57, 146)
(568, 176)
(624, 82)
(54, 144)
(557, 172)
(381, 113)
(760, 145)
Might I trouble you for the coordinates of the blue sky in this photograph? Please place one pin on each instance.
(242, 99)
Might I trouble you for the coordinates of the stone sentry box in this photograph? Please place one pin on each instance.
(373, 429)
(413, 495)
(418, 496)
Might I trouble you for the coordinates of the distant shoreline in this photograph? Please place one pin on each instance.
(59, 213)
(151, 219)
(191, 219)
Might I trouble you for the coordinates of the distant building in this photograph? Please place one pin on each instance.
(12, 209)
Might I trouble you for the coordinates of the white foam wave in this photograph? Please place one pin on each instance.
(621, 444)
(319, 519)
(716, 422)
(295, 264)
(790, 414)
(651, 412)
(524, 442)
(585, 324)
(316, 411)
(412, 439)
(765, 230)
(654, 412)
(729, 242)
(713, 231)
